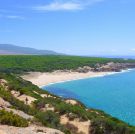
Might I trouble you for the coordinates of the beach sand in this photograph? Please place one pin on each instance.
(43, 79)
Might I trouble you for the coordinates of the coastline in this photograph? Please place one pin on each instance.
(102, 75)
(44, 79)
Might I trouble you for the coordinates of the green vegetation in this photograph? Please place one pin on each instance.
(7, 96)
(19, 64)
(49, 118)
(101, 123)
(24, 87)
(8, 118)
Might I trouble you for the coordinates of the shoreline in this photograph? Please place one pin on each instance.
(45, 79)
(108, 73)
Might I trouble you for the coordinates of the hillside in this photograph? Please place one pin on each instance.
(15, 50)
(26, 108)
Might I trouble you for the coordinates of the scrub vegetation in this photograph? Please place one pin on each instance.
(26, 63)
(101, 123)
(10, 66)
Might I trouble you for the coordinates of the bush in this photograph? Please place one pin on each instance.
(6, 95)
(8, 118)
(72, 128)
(49, 119)
(101, 123)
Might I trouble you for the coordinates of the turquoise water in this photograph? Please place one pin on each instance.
(114, 94)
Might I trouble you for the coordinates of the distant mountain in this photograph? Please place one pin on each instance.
(12, 49)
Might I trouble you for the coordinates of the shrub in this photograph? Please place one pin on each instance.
(72, 128)
(49, 118)
(8, 118)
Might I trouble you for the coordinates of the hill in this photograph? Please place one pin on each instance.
(49, 63)
(25, 108)
(8, 49)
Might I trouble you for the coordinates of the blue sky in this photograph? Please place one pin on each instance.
(79, 27)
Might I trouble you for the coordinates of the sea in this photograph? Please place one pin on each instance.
(114, 94)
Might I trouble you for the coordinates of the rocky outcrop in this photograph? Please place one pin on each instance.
(71, 101)
(8, 107)
(116, 67)
(76, 125)
(20, 113)
(4, 103)
(25, 98)
(109, 67)
(84, 69)
(28, 130)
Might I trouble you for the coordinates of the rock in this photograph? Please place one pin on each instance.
(20, 113)
(48, 107)
(115, 67)
(25, 98)
(4, 103)
(3, 83)
(44, 95)
(28, 130)
(84, 69)
(72, 102)
(82, 126)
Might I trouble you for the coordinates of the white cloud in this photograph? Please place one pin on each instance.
(59, 6)
(71, 5)
(14, 17)
(11, 17)
(133, 49)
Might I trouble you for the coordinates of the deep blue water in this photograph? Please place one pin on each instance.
(114, 94)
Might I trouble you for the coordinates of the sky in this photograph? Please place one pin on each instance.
(77, 27)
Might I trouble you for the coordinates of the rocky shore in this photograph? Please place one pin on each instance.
(109, 67)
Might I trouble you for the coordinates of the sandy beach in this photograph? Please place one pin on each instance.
(43, 79)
